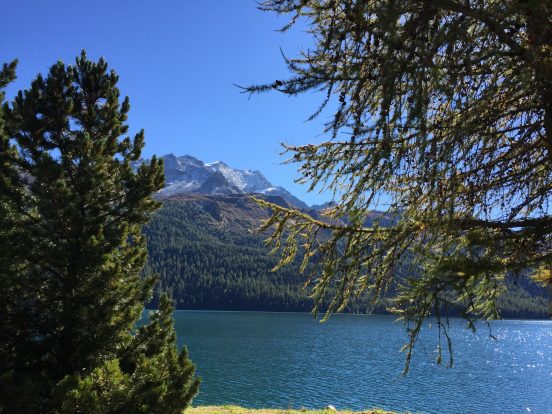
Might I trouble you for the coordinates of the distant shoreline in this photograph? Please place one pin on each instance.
(333, 314)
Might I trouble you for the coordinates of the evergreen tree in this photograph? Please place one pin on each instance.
(78, 292)
(159, 382)
(443, 118)
(11, 262)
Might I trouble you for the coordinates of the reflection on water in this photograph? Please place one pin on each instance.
(258, 359)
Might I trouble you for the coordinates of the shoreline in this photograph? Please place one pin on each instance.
(343, 313)
(234, 409)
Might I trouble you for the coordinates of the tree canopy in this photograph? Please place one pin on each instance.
(207, 258)
(72, 289)
(441, 118)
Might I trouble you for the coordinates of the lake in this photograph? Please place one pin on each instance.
(280, 360)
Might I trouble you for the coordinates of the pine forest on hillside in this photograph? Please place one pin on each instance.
(207, 257)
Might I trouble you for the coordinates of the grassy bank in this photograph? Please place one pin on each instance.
(232, 409)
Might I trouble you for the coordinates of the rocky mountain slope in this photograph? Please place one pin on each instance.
(189, 175)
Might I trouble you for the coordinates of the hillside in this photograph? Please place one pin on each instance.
(207, 257)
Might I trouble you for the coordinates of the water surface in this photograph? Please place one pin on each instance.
(258, 359)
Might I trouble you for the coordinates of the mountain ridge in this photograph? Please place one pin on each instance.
(186, 174)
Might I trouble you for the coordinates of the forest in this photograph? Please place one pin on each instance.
(207, 257)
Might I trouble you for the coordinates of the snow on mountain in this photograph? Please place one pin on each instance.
(247, 181)
(189, 175)
(184, 169)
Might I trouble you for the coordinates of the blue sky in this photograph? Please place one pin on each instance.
(178, 61)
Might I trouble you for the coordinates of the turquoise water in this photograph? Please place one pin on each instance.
(257, 359)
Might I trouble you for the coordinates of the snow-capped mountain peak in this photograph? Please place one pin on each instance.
(186, 174)
(247, 181)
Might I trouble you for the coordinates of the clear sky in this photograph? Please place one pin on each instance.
(178, 61)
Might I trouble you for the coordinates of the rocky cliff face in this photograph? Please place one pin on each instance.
(188, 175)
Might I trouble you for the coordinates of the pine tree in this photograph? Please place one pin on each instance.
(78, 291)
(11, 255)
(160, 382)
(442, 118)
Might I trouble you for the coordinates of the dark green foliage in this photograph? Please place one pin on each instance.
(159, 382)
(8, 219)
(74, 289)
(208, 264)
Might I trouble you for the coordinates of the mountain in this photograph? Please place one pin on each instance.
(322, 206)
(204, 250)
(207, 256)
(189, 175)
(202, 246)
